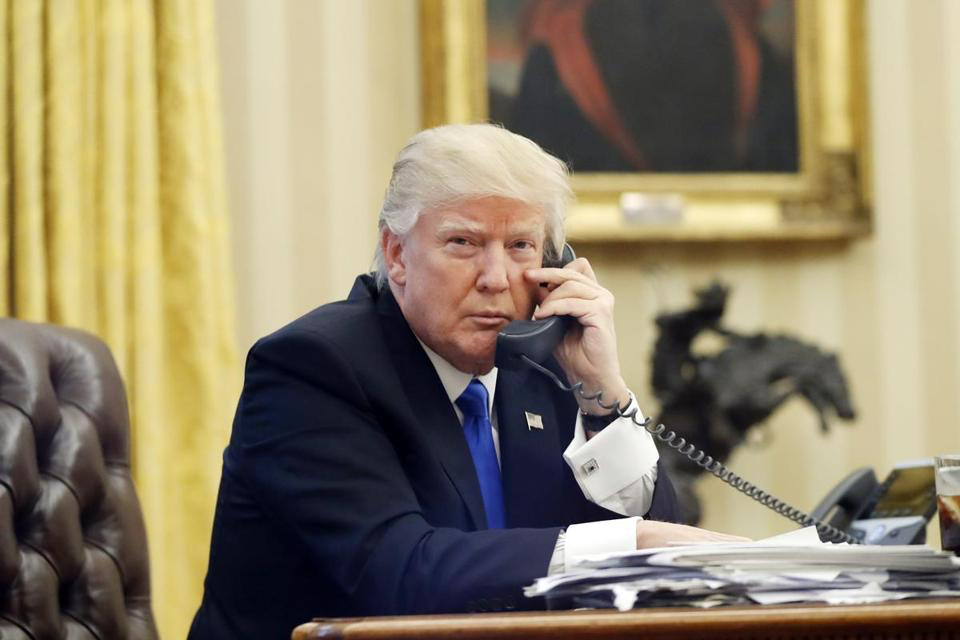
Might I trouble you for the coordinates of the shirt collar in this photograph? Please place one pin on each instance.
(455, 381)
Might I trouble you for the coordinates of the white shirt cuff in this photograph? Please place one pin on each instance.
(604, 536)
(617, 468)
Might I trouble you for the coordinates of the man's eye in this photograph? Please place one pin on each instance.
(460, 241)
(523, 244)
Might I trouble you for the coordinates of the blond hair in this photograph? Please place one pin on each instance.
(463, 161)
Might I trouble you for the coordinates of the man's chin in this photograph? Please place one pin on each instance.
(478, 360)
(482, 368)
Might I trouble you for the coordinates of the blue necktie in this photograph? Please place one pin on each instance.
(479, 433)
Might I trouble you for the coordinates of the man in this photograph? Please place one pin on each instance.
(381, 464)
(668, 85)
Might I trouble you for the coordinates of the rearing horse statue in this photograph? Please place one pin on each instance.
(714, 400)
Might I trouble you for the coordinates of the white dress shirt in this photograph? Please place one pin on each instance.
(616, 469)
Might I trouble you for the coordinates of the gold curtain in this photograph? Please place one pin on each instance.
(113, 219)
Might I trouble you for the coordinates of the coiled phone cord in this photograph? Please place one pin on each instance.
(701, 459)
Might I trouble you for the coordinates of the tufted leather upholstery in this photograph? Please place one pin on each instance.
(73, 553)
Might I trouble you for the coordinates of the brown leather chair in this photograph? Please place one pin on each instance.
(73, 548)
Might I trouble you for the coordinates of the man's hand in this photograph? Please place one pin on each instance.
(651, 533)
(588, 352)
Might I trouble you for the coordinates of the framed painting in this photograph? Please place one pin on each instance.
(681, 119)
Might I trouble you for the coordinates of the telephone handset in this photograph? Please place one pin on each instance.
(533, 338)
(530, 342)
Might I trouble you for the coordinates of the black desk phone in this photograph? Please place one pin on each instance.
(530, 342)
(895, 511)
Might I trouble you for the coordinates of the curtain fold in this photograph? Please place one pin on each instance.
(113, 219)
(6, 215)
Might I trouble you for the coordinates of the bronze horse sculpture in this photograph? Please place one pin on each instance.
(714, 400)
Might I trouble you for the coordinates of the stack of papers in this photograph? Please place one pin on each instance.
(794, 567)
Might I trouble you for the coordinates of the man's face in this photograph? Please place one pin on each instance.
(458, 275)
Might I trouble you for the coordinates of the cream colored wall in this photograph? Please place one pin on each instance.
(319, 96)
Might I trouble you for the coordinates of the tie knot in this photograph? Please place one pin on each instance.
(473, 401)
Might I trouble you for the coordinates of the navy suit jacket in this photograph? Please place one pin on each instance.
(348, 488)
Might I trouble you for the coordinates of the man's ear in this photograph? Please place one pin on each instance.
(392, 246)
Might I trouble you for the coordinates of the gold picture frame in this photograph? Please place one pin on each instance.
(828, 197)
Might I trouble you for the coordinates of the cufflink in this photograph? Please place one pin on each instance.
(589, 467)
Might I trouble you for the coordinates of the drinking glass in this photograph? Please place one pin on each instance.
(947, 470)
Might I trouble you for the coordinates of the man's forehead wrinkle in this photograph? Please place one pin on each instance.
(454, 222)
(459, 224)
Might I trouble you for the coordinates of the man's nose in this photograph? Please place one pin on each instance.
(493, 270)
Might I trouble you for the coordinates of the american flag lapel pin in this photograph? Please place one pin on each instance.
(534, 421)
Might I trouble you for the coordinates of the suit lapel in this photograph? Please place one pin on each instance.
(431, 411)
(531, 458)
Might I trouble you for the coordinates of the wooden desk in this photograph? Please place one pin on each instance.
(914, 619)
